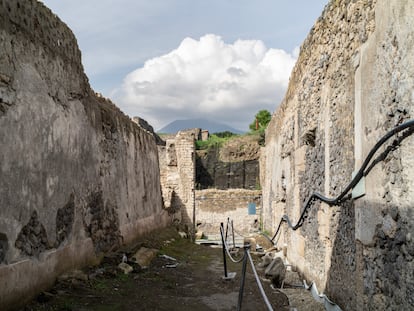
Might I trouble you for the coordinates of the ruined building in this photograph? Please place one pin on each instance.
(77, 176)
(202, 188)
(353, 82)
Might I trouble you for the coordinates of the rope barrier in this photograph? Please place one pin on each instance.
(259, 284)
(230, 224)
(226, 248)
(246, 256)
(239, 234)
(362, 172)
(243, 279)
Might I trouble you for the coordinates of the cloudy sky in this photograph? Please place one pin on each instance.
(165, 60)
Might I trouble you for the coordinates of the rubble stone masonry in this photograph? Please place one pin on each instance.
(353, 82)
(215, 206)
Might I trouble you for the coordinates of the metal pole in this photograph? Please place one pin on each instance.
(232, 232)
(243, 276)
(227, 227)
(224, 251)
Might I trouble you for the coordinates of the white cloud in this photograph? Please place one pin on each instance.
(208, 78)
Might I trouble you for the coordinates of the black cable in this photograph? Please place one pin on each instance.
(343, 195)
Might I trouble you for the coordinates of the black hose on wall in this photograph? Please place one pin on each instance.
(363, 171)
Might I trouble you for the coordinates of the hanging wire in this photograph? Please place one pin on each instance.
(246, 256)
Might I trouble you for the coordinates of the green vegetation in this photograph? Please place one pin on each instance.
(101, 285)
(186, 251)
(257, 127)
(215, 140)
(261, 120)
(225, 134)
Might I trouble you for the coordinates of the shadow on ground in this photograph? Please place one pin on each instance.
(194, 284)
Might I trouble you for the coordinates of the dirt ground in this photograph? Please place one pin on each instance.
(196, 283)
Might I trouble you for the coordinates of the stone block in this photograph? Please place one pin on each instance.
(266, 260)
(300, 158)
(124, 267)
(144, 256)
(323, 223)
(298, 244)
(367, 217)
(276, 271)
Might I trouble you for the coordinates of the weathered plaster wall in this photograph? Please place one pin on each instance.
(215, 206)
(77, 177)
(352, 83)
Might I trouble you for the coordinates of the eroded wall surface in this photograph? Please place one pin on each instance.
(77, 177)
(352, 83)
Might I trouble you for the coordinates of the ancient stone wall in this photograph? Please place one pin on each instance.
(177, 170)
(77, 176)
(205, 208)
(234, 165)
(384, 84)
(215, 206)
(352, 83)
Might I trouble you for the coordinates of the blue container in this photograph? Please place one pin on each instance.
(251, 207)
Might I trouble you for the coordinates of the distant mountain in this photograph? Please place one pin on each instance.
(211, 126)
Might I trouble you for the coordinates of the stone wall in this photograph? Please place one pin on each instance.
(77, 176)
(352, 83)
(384, 83)
(204, 208)
(234, 165)
(215, 206)
(177, 170)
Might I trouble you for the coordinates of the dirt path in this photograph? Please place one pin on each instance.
(194, 284)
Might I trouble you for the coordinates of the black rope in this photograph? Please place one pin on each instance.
(343, 196)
